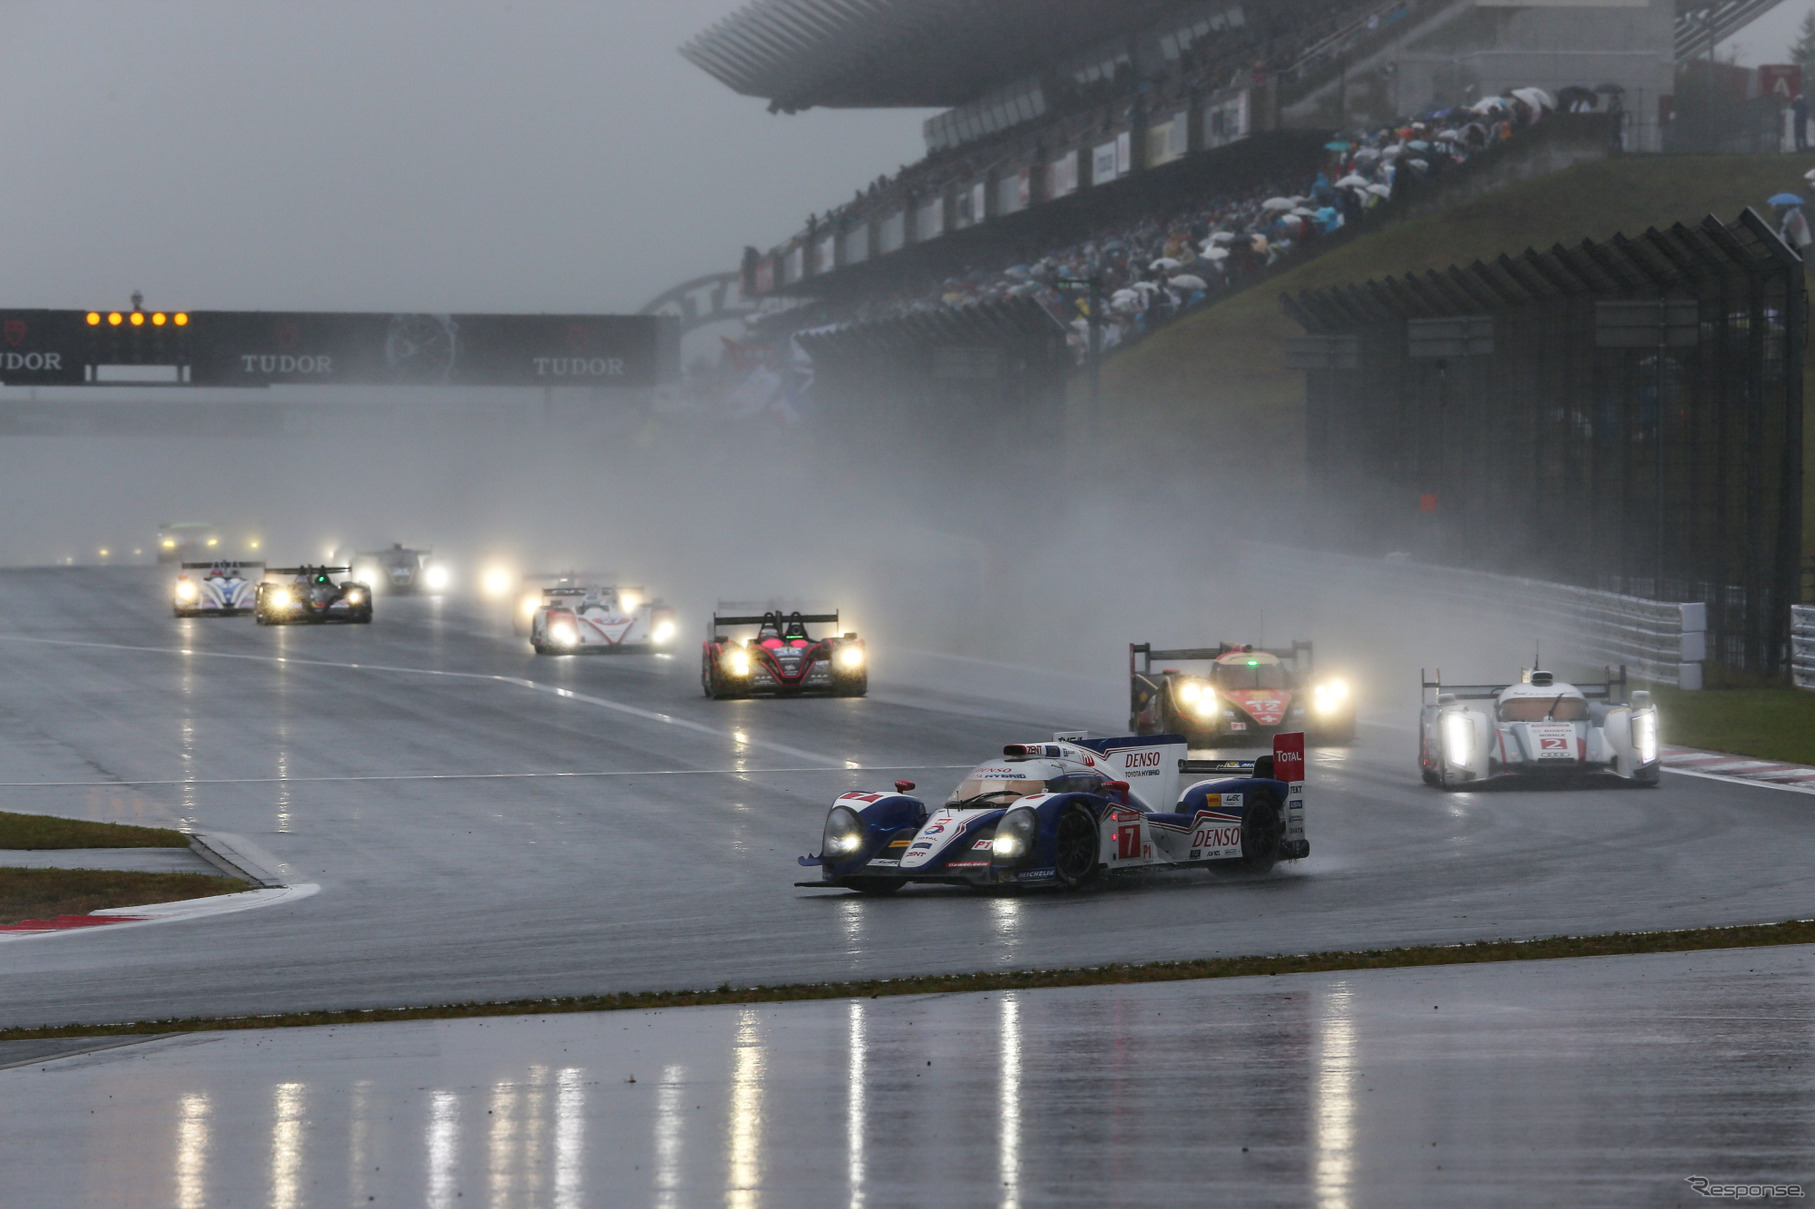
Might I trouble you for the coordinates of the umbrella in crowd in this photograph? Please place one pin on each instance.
(1167, 263)
(1537, 98)
(1278, 203)
(1353, 180)
(1188, 282)
(1786, 199)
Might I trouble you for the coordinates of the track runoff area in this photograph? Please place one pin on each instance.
(486, 826)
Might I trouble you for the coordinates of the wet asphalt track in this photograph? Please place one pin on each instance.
(447, 873)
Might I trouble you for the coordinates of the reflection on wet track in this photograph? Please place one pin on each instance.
(1483, 1085)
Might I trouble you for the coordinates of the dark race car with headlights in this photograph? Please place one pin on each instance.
(1539, 727)
(400, 570)
(1069, 813)
(784, 659)
(1244, 696)
(311, 595)
(222, 590)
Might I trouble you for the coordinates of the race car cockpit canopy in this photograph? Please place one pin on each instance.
(993, 786)
(1249, 669)
(1544, 701)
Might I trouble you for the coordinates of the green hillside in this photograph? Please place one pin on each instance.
(1222, 371)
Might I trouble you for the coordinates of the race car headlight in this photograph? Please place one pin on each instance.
(185, 590)
(1197, 697)
(1644, 736)
(281, 598)
(169, 543)
(850, 658)
(1015, 836)
(1189, 691)
(629, 602)
(354, 596)
(737, 661)
(495, 582)
(844, 832)
(563, 633)
(663, 631)
(1458, 738)
(436, 578)
(1329, 695)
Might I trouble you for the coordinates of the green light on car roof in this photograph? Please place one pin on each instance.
(1253, 663)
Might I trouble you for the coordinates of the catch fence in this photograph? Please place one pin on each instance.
(1623, 415)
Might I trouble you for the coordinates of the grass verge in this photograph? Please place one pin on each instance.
(48, 831)
(1770, 723)
(1613, 944)
(47, 893)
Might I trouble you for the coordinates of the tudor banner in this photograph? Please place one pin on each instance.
(262, 348)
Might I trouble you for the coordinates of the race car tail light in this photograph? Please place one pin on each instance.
(1015, 837)
(1458, 738)
(843, 834)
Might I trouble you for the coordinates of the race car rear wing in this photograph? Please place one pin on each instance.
(308, 570)
(1142, 654)
(225, 564)
(1611, 687)
(721, 620)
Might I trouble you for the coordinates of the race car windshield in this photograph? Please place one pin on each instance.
(1240, 676)
(992, 791)
(1539, 709)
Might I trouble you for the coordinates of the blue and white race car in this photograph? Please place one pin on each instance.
(1067, 814)
(223, 588)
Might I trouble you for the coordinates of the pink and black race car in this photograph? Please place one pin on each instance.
(783, 659)
(1244, 696)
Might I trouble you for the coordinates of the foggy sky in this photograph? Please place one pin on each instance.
(447, 156)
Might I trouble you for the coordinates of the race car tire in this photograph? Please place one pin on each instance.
(1647, 780)
(1430, 778)
(540, 648)
(874, 885)
(261, 619)
(851, 688)
(1076, 841)
(1262, 832)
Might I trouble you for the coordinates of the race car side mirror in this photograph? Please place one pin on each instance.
(1117, 787)
(904, 786)
(1446, 698)
(1641, 699)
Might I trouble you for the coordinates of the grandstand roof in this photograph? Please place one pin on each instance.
(875, 53)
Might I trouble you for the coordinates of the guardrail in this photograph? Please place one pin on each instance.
(1665, 642)
(1802, 646)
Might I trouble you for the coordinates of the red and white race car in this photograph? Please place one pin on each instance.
(586, 619)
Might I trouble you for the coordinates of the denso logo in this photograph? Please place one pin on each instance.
(1217, 837)
(1141, 759)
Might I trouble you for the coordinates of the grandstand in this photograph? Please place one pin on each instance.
(1049, 101)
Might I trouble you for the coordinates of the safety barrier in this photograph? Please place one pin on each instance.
(1802, 645)
(1665, 642)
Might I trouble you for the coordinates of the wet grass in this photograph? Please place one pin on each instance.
(1614, 944)
(47, 893)
(1770, 723)
(48, 831)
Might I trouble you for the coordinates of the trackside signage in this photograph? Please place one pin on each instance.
(1289, 758)
(339, 348)
(40, 348)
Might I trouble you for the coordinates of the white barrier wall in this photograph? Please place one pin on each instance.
(1802, 645)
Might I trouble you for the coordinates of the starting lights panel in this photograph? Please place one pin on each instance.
(262, 348)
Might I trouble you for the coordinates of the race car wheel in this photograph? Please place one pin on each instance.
(1430, 778)
(1075, 847)
(851, 688)
(540, 648)
(1262, 831)
(1647, 780)
(874, 885)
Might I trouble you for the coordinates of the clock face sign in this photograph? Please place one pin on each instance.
(421, 348)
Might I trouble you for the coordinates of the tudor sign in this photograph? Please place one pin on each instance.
(262, 348)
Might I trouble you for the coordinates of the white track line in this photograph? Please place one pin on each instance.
(479, 776)
(736, 736)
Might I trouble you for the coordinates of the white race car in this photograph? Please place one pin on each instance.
(589, 618)
(223, 588)
(1539, 727)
